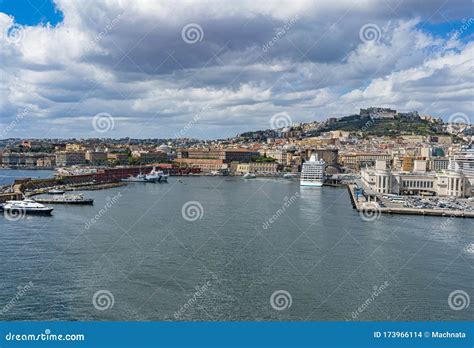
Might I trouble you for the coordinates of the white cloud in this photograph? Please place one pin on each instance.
(127, 58)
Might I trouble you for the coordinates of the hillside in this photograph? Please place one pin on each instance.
(381, 127)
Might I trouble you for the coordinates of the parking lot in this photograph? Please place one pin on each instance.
(437, 203)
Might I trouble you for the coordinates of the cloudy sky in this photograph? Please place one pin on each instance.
(212, 69)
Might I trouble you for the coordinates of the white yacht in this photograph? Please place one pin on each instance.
(249, 176)
(27, 206)
(312, 173)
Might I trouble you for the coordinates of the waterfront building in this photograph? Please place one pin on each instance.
(46, 161)
(152, 156)
(64, 159)
(96, 158)
(204, 164)
(279, 154)
(355, 161)
(119, 158)
(13, 158)
(451, 182)
(437, 164)
(227, 155)
(263, 167)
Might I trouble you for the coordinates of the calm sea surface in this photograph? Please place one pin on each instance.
(249, 239)
(8, 176)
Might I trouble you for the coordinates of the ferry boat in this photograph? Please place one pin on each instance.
(77, 199)
(312, 173)
(27, 206)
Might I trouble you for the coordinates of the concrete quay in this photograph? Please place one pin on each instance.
(370, 205)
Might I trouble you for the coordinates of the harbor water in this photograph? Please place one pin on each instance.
(224, 248)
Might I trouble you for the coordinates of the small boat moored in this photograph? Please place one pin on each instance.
(56, 192)
(249, 176)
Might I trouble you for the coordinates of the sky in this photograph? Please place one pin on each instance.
(213, 69)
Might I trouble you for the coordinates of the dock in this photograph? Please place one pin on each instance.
(370, 206)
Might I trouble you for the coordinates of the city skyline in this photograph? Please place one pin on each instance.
(157, 69)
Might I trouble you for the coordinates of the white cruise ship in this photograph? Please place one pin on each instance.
(313, 172)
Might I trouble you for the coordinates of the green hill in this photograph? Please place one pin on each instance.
(381, 127)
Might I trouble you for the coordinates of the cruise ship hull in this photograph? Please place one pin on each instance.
(311, 183)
